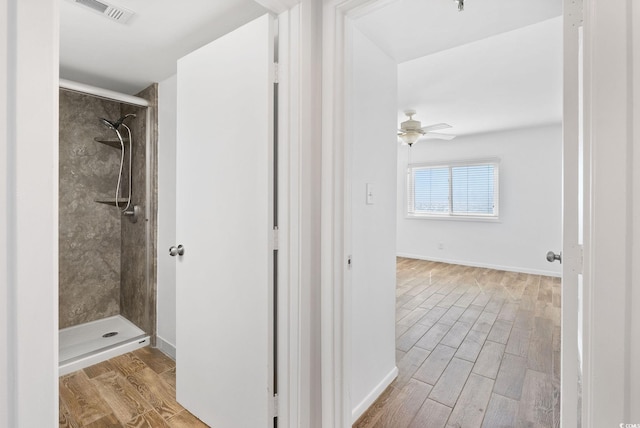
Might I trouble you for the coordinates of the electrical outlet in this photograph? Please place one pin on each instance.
(440, 246)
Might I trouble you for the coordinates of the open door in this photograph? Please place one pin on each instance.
(571, 256)
(224, 222)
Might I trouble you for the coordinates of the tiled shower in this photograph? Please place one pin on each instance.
(107, 277)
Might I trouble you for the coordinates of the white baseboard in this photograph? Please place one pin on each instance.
(166, 347)
(373, 395)
(484, 265)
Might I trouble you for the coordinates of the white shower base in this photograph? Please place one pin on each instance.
(82, 345)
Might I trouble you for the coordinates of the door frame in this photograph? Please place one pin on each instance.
(611, 371)
(335, 313)
(571, 251)
(293, 358)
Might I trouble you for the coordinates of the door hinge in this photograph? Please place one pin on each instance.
(275, 238)
(276, 72)
(574, 10)
(274, 406)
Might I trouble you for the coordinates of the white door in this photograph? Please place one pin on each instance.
(224, 193)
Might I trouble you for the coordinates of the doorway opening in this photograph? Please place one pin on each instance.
(106, 224)
(502, 94)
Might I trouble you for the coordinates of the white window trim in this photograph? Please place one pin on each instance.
(452, 216)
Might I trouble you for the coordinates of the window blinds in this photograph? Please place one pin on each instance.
(460, 189)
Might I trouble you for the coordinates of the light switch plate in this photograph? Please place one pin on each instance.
(369, 194)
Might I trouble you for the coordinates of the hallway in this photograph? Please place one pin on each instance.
(475, 347)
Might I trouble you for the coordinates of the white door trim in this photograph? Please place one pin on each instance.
(293, 358)
(288, 202)
(7, 362)
(635, 301)
(334, 299)
(572, 21)
(610, 253)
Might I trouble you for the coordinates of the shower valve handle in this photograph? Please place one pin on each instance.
(176, 251)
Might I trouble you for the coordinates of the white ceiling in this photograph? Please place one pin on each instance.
(128, 57)
(495, 66)
(507, 81)
(409, 29)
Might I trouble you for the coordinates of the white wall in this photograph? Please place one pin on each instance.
(372, 130)
(530, 203)
(166, 303)
(29, 214)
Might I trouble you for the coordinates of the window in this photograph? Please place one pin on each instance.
(460, 189)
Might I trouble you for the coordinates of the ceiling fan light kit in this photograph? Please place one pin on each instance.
(411, 130)
(410, 137)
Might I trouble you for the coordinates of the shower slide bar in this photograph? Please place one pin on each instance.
(103, 93)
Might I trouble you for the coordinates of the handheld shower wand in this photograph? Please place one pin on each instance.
(115, 125)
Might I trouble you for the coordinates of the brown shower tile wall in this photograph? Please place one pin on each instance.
(89, 233)
(137, 297)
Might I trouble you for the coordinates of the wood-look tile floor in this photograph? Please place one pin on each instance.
(474, 348)
(136, 389)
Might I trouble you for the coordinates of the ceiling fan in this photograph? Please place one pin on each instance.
(411, 130)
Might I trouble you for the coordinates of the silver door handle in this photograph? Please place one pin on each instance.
(176, 251)
(552, 257)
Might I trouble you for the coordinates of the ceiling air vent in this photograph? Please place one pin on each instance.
(116, 13)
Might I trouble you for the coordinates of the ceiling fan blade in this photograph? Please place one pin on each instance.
(438, 136)
(436, 127)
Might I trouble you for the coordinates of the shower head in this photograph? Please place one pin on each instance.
(108, 123)
(115, 125)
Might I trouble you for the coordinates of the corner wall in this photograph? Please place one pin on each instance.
(372, 83)
(137, 283)
(166, 291)
(530, 203)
